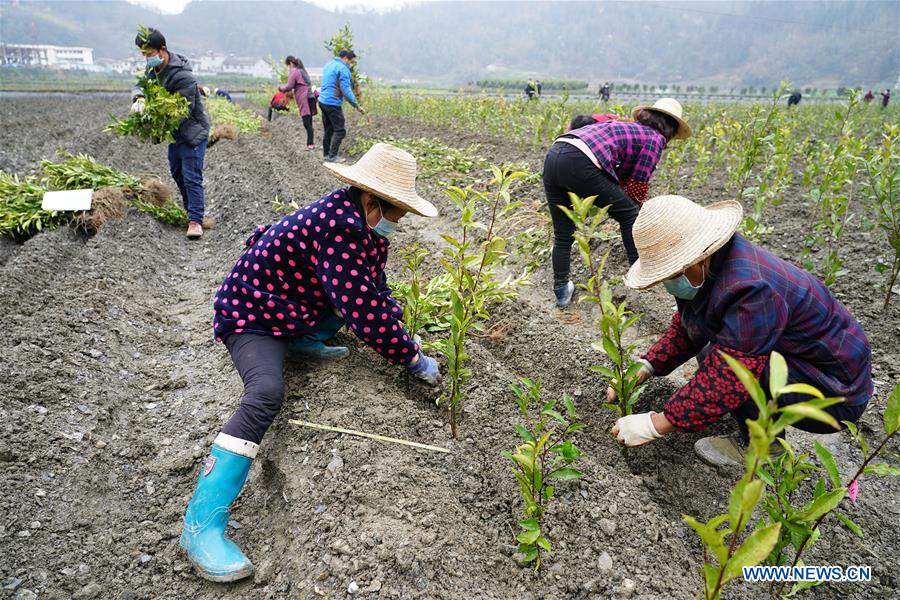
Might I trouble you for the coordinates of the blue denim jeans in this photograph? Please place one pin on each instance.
(186, 166)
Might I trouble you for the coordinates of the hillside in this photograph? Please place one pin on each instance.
(758, 43)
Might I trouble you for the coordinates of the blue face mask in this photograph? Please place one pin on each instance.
(681, 287)
(384, 228)
(154, 61)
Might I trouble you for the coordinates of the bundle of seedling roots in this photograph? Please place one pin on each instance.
(21, 215)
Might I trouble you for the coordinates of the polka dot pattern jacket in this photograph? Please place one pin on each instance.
(320, 259)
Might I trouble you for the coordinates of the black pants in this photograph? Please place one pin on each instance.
(333, 123)
(307, 125)
(259, 359)
(841, 412)
(567, 169)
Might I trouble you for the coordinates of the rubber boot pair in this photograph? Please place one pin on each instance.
(311, 343)
(203, 537)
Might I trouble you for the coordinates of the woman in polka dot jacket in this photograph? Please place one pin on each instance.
(296, 284)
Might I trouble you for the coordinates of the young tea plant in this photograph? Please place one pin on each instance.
(883, 168)
(546, 454)
(725, 555)
(426, 304)
(472, 267)
(615, 320)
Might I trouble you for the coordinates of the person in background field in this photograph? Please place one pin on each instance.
(794, 98)
(300, 85)
(186, 154)
(296, 284)
(734, 297)
(280, 102)
(223, 94)
(885, 98)
(604, 92)
(335, 89)
(614, 161)
(868, 97)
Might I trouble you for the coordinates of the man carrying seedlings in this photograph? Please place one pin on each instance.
(186, 154)
(335, 88)
(614, 161)
(297, 283)
(734, 297)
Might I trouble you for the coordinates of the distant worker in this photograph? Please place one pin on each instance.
(223, 94)
(613, 161)
(868, 97)
(299, 83)
(794, 98)
(604, 92)
(530, 89)
(885, 98)
(734, 297)
(186, 153)
(539, 87)
(335, 89)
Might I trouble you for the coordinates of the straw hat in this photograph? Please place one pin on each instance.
(671, 107)
(389, 173)
(672, 233)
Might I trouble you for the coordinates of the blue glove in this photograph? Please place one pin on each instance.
(426, 369)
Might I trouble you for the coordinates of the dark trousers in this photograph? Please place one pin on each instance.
(841, 412)
(567, 169)
(259, 360)
(307, 124)
(333, 123)
(186, 166)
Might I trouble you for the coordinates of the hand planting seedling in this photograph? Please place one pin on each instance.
(472, 266)
(546, 454)
(625, 378)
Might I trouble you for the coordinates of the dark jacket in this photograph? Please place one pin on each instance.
(179, 77)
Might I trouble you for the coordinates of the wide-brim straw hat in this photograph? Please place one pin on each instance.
(671, 107)
(672, 233)
(389, 173)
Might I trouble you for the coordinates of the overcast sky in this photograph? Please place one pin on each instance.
(176, 6)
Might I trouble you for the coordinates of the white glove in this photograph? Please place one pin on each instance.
(138, 106)
(635, 430)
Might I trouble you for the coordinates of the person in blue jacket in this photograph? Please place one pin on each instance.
(334, 90)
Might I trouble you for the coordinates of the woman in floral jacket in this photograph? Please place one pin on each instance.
(733, 297)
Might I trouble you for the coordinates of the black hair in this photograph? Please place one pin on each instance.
(293, 60)
(579, 121)
(356, 196)
(661, 122)
(152, 38)
(349, 54)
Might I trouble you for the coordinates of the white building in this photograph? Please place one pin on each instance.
(255, 67)
(208, 64)
(45, 55)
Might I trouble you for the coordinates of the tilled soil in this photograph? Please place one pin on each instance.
(113, 389)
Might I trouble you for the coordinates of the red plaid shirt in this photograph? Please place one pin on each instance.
(628, 151)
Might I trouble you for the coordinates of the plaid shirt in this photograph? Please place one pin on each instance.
(625, 150)
(751, 304)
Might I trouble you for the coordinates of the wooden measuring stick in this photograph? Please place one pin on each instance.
(374, 436)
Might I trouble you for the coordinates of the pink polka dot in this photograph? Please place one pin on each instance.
(331, 223)
(355, 315)
(248, 304)
(241, 322)
(270, 304)
(235, 314)
(251, 317)
(338, 268)
(370, 317)
(359, 301)
(348, 285)
(330, 250)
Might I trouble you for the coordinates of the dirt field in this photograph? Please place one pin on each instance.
(112, 390)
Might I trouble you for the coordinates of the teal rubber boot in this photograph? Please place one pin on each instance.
(311, 343)
(203, 537)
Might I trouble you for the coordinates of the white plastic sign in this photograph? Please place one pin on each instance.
(68, 200)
